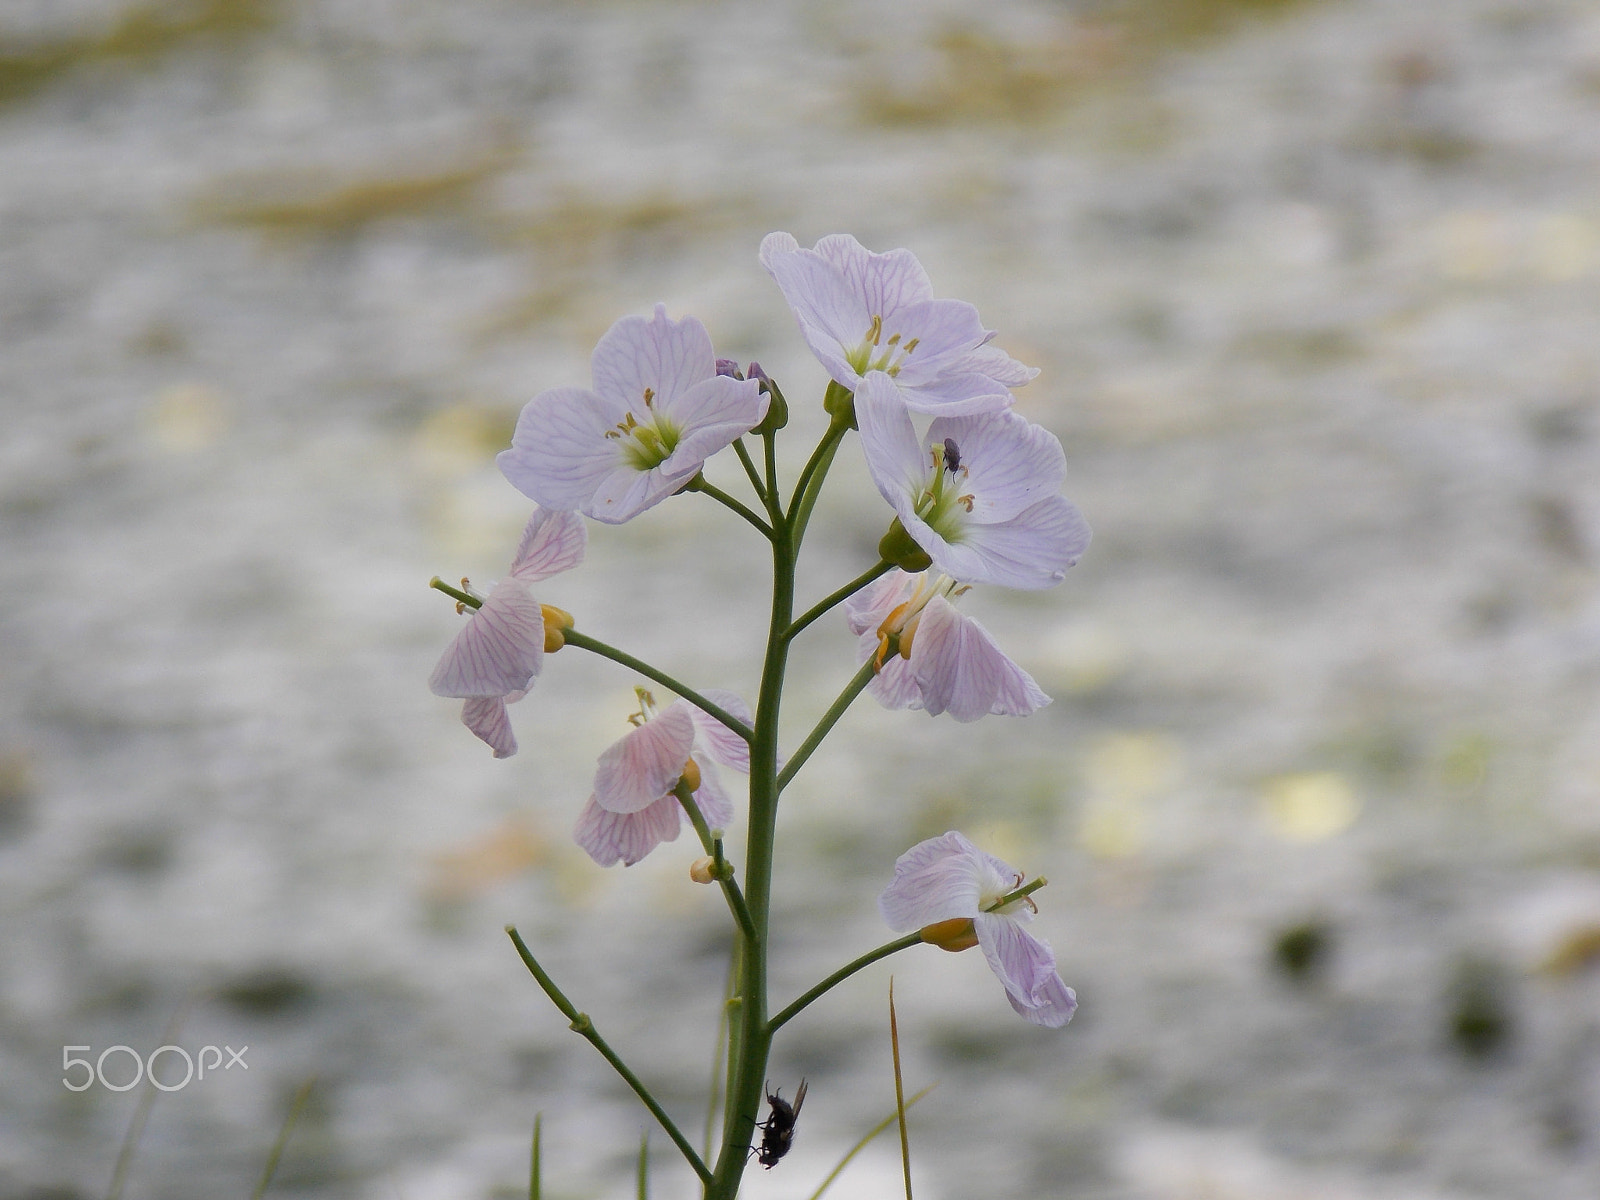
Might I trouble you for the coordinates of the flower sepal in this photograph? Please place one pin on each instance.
(955, 935)
(897, 547)
(556, 620)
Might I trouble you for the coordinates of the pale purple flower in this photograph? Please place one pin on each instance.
(931, 656)
(979, 494)
(945, 882)
(633, 808)
(494, 660)
(658, 410)
(861, 312)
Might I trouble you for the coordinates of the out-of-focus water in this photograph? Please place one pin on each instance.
(1314, 288)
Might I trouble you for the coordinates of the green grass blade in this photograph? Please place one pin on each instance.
(863, 1143)
(271, 1169)
(899, 1090)
(534, 1164)
(644, 1165)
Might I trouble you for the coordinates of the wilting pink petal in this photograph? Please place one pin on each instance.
(645, 763)
(499, 651)
(612, 837)
(486, 716)
(554, 541)
(1027, 968)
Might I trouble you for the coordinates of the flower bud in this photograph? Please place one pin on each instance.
(691, 775)
(729, 368)
(954, 935)
(777, 407)
(839, 402)
(555, 620)
(703, 870)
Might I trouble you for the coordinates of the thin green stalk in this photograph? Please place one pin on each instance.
(899, 1090)
(644, 1165)
(584, 642)
(535, 1164)
(828, 601)
(271, 1169)
(730, 889)
(752, 1038)
(751, 473)
(839, 976)
(701, 484)
(858, 684)
(769, 454)
(719, 1059)
(865, 1141)
(809, 486)
(582, 1024)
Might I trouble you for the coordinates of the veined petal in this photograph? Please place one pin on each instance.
(710, 415)
(829, 311)
(486, 716)
(894, 456)
(662, 356)
(1007, 462)
(954, 392)
(721, 743)
(933, 881)
(645, 763)
(611, 837)
(1031, 551)
(960, 670)
(553, 542)
(895, 685)
(1027, 968)
(945, 331)
(560, 452)
(1000, 366)
(499, 651)
(627, 491)
(716, 806)
(867, 609)
(888, 283)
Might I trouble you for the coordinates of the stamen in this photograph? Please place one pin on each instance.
(875, 330)
(912, 345)
(965, 501)
(649, 395)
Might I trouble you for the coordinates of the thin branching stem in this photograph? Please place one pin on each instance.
(730, 889)
(844, 593)
(584, 1025)
(751, 473)
(839, 976)
(858, 683)
(701, 484)
(595, 646)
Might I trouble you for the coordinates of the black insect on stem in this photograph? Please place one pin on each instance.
(777, 1131)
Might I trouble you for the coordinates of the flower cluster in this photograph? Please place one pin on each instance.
(973, 491)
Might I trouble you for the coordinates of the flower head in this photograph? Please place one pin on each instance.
(944, 883)
(931, 656)
(658, 410)
(633, 808)
(861, 312)
(979, 494)
(494, 660)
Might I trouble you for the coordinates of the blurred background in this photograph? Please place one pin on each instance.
(1314, 290)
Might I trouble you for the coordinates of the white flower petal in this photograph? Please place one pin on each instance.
(664, 356)
(960, 670)
(895, 685)
(627, 837)
(895, 458)
(1027, 968)
(645, 763)
(627, 491)
(934, 881)
(887, 283)
(709, 416)
(552, 542)
(1031, 551)
(867, 609)
(499, 651)
(1007, 462)
(560, 452)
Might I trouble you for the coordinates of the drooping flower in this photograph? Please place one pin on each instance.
(633, 808)
(956, 894)
(657, 412)
(494, 660)
(979, 494)
(861, 312)
(933, 657)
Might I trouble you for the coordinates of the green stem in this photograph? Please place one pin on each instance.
(858, 683)
(843, 973)
(713, 845)
(809, 485)
(769, 454)
(844, 593)
(701, 484)
(584, 642)
(751, 473)
(582, 1024)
